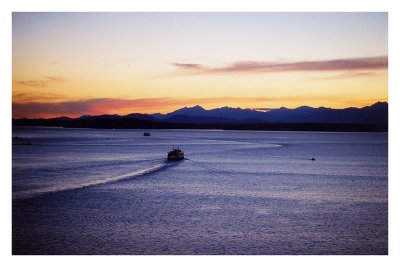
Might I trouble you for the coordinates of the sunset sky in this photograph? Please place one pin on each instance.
(71, 64)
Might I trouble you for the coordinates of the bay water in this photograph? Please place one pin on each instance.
(97, 191)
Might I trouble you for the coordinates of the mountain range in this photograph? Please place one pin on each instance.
(227, 117)
(376, 113)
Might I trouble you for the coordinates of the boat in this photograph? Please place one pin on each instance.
(313, 157)
(176, 154)
(147, 134)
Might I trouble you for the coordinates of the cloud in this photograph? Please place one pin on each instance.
(54, 79)
(48, 109)
(35, 97)
(268, 67)
(44, 82)
(351, 74)
(188, 66)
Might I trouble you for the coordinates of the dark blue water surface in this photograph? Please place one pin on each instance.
(86, 191)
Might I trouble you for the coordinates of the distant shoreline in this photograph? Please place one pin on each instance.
(149, 125)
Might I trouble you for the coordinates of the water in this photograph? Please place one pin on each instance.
(86, 191)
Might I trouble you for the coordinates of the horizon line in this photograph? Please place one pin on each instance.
(264, 110)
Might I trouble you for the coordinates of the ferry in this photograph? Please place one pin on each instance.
(176, 154)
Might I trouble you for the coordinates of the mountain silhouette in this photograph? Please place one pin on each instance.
(377, 113)
(369, 118)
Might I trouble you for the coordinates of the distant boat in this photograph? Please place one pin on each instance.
(176, 154)
(147, 134)
(313, 157)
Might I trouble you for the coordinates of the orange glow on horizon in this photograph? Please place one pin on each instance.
(167, 105)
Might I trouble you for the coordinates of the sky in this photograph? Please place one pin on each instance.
(73, 64)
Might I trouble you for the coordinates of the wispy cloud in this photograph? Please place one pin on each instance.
(188, 66)
(43, 82)
(47, 109)
(351, 64)
(37, 97)
(351, 74)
